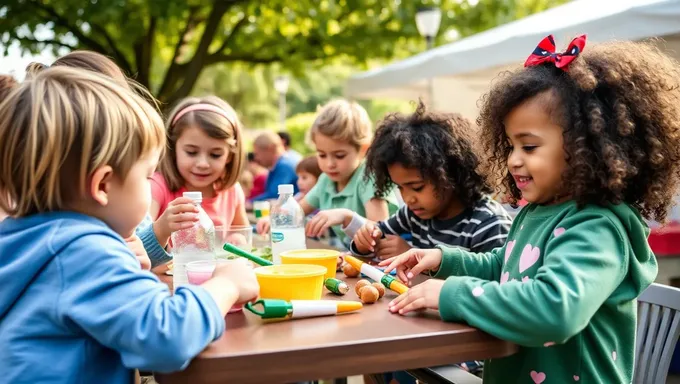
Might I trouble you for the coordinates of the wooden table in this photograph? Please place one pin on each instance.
(370, 341)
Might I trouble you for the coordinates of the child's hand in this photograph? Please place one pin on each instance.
(413, 262)
(137, 247)
(366, 238)
(391, 246)
(323, 220)
(242, 276)
(263, 226)
(421, 296)
(181, 213)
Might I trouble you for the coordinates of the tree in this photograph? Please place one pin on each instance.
(166, 44)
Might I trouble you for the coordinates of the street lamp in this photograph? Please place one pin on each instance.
(427, 21)
(281, 85)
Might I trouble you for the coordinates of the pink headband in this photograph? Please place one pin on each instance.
(204, 107)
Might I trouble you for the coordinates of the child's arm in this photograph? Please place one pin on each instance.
(107, 296)
(581, 269)
(376, 210)
(152, 245)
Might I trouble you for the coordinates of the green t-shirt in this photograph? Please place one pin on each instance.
(563, 287)
(354, 196)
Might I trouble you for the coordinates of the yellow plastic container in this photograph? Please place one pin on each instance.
(326, 258)
(291, 281)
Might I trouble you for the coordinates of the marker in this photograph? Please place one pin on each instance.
(336, 286)
(295, 309)
(390, 282)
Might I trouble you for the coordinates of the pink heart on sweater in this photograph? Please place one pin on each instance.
(537, 377)
(477, 291)
(504, 277)
(508, 249)
(557, 232)
(549, 344)
(530, 256)
(576, 378)
(525, 279)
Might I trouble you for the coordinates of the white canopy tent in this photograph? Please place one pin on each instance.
(462, 71)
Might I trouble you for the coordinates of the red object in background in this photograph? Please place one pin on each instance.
(665, 241)
(259, 183)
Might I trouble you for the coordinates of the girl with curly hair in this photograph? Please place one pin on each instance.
(431, 158)
(592, 141)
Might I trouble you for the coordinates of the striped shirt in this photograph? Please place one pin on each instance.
(480, 228)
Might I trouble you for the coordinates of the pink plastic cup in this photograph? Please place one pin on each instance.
(198, 272)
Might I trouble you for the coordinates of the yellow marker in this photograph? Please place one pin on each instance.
(390, 282)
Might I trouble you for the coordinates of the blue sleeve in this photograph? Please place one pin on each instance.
(155, 250)
(109, 297)
(283, 173)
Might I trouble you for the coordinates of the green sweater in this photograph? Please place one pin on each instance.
(563, 288)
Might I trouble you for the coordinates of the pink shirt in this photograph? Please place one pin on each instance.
(221, 208)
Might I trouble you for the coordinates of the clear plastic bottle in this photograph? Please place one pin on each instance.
(287, 224)
(192, 244)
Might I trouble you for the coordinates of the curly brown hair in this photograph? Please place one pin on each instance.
(619, 106)
(440, 145)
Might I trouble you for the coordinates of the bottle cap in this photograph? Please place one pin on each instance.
(286, 188)
(195, 196)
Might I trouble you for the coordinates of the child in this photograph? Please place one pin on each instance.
(342, 133)
(79, 150)
(308, 173)
(431, 159)
(206, 155)
(143, 243)
(259, 176)
(591, 141)
(7, 84)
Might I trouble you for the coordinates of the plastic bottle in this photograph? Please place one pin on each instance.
(192, 244)
(287, 224)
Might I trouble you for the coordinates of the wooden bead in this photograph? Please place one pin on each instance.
(380, 288)
(360, 284)
(349, 270)
(368, 294)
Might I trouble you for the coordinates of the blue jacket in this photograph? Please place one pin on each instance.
(75, 307)
(282, 173)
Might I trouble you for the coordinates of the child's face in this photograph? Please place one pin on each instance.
(128, 200)
(306, 181)
(337, 159)
(419, 195)
(537, 159)
(201, 159)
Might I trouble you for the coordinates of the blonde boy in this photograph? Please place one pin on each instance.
(76, 151)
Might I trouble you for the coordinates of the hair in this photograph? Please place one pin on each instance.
(285, 137)
(92, 61)
(344, 121)
(267, 139)
(214, 125)
(246, 179)
(619, 106)
(309, 164)
(62, 125)
(441, 146)
(7, 84)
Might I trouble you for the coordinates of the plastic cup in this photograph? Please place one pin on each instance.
(198, 272)
(238, 236)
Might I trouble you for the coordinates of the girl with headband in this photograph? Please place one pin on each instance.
(204, 154)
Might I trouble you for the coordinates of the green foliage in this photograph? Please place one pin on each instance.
(298, 127)
(167, 44)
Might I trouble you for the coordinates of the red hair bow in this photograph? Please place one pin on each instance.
(545, 52)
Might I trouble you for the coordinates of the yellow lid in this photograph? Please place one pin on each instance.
(291, 270)
(311, 254)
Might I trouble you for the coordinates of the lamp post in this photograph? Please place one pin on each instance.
(281, 85)
(427, 21)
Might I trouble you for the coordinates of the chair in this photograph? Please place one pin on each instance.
(657, 333)
(658, 329)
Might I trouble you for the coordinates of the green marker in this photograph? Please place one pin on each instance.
(336, 286)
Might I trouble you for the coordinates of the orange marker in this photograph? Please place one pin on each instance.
(390, 282)
(294, 309)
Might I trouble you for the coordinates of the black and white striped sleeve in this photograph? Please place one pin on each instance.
(397, 224)
(490, 234)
